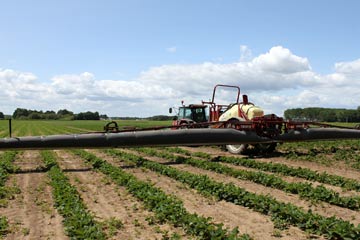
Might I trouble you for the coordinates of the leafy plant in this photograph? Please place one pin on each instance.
(166, 208)
(308, 174)
(4, 226)
(78, 222)
(305, 190)
(330, 227)
(6, 192)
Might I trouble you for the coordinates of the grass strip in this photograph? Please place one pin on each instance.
(78, 222)
(283, 214)
(166, 208)
(304, 190)
(306, 173)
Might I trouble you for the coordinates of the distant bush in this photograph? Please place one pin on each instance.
(161, 118)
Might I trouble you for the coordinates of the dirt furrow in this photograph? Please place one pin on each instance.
(255, 224)
(322, 208)
(335, 170)
(343, 170)
(289, 179)
(31, 214)
(109, 202)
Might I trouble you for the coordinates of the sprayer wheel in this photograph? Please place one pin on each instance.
(237, 149)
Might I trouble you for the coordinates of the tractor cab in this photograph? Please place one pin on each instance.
(193, 112)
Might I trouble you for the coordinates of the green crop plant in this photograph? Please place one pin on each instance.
(78, 222)
(281, 213)
(6, 192)
(166, 208)
(283, 169)
(305, 190)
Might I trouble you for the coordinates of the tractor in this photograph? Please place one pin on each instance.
(194, 116)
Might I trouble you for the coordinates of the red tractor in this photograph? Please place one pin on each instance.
(223, 116)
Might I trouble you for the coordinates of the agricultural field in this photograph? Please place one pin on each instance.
(302, 191)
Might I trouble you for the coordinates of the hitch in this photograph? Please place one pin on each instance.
(111, 127)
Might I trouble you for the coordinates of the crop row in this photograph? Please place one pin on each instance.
(305, 190)
(78, 222)
(321, 146)
(283, 214)
(166, 207)
(306, 173)
(6, 192)
(324, 152)
(6, 165)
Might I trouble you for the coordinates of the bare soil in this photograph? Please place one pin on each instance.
(321, 208)
(247, 221)
(340, 169)
(108, 201)
(31, 214)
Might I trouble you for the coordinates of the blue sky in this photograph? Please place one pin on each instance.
(94, 43)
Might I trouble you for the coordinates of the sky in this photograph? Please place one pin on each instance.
(140, 57)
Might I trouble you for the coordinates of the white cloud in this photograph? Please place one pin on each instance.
(275, 80)
(281, 60)
(348, 67)
(71, 84)
(265, 72)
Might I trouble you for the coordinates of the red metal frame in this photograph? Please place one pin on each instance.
(215, 110)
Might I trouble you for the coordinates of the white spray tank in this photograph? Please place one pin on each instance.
(242, 111)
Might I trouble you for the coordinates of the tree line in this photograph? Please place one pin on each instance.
(62, 114)
(323, 114)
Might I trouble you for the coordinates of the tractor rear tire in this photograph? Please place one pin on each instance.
(237, 149)
(265, 148)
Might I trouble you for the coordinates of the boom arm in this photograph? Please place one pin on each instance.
(191, 137)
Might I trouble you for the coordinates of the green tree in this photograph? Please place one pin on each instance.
(20, 113)
(87, 116)
(34, 115)
(2, 116)
(64, 112)
(104, 116)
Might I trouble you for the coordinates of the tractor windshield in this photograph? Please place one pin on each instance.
(185, 112)
(196, 114)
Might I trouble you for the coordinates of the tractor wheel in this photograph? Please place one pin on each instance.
(237, 149)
